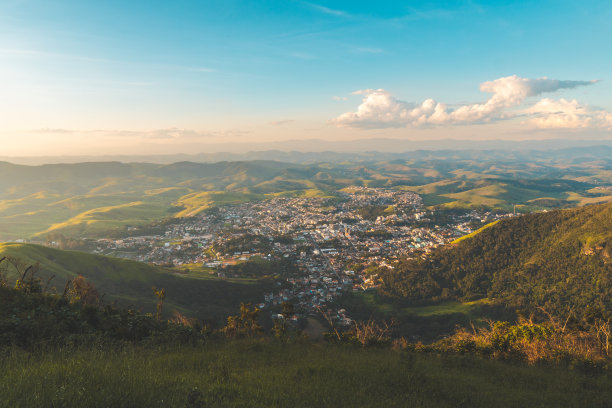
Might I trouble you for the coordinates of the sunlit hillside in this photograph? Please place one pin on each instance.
(95, 199)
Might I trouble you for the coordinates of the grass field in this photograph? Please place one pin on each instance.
(197, 202)
(86, 215)
(427, 323)
(129, 283)
(478, 231)
(445, 308)
(488, 191)
(197, 271)
(271, 374)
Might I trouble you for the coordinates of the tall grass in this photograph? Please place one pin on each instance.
(264, 373)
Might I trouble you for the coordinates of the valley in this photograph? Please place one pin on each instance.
(305, 204)
(427, 258)
(107, 198)
(317, 236)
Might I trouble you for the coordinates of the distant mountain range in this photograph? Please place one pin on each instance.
(91, 199)
(319, 150)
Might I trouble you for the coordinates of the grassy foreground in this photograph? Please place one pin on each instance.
(273, 374)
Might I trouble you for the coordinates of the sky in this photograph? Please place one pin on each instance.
(150, 77)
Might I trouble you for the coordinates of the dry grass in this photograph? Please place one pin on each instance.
(537, 342)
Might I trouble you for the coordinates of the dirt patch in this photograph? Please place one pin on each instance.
(314, 329)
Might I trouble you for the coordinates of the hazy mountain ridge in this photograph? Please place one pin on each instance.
(92, 198)
(317, 150)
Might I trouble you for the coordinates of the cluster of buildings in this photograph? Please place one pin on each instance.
(331, 242)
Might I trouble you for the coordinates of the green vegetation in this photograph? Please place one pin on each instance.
(95, 199)
(129, 282)
(70, 350)
(33, 321)
(89, 199)
(498, 192)
(247, 242)
(544, 280)
(258, 267)
(450, 307)
(271, 374)
(425, 323)
(555, 260)
(372, 212)
(432, 200)
(444, 308)
(197, 271)
(478, 231)
(552, 262)
(195, 203)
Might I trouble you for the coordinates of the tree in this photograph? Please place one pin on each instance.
(27, 280)
(80, 291)
(161, 296)
(245, 324)
(372, 333)
(3, 280)
(603, 332)
(281, 327)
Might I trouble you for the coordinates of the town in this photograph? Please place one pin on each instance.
(315, 248)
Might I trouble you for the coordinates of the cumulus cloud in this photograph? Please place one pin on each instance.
(380, 109)
(554, 114)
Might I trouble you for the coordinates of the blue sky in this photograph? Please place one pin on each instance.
(80, 76)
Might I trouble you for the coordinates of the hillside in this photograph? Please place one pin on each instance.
(91, 199)
(469, 189)
(556, 260)
(57, 350)
(62, 350)
(129, 282)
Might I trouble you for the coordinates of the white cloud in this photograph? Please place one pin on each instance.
(555, 114)
(380, 109)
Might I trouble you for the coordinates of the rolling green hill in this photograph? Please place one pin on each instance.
(556, 260)
(90, 199)
(468, 191)
(129, 282)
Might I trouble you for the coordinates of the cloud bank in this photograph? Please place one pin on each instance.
(380, 109)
